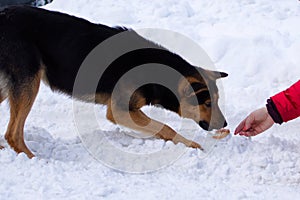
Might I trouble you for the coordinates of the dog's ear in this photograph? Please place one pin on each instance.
(223, 74)
(217, 74)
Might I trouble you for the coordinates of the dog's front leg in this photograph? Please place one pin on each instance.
(137, 120)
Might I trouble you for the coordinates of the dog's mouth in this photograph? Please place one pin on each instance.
(205, 125)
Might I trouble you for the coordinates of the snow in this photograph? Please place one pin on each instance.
(255, 41)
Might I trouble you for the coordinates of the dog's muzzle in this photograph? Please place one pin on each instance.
(205, 125)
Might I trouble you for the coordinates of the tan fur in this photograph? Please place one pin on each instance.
(140, 122)
(102, 98)
(137, 120)
(19, 109)
(137, 101)
(1, 98)
(131, 117)
(184, 83)
(197, 113)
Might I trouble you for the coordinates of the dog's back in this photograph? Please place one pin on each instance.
(31, 38)
(36, 44)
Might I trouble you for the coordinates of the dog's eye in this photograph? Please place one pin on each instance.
(208, 104)
(200, 98)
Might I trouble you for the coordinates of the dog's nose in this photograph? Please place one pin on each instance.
(204, 125)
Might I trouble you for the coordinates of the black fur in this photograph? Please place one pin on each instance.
(38, 44)
(47, 37)
(31, 36)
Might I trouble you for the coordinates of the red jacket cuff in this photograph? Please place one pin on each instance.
(273, 112)
(288, 102)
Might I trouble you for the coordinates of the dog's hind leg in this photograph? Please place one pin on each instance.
(21, 100)
(137, 120)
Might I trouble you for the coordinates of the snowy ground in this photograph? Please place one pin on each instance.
(257, 42)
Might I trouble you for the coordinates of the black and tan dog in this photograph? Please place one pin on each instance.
(36, 44)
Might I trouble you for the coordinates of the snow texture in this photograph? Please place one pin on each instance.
(257, 42)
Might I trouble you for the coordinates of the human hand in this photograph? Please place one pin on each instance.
(257, 122)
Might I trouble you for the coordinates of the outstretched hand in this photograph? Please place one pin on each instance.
(257, 122)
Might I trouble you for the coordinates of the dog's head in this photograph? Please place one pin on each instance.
(199, 99)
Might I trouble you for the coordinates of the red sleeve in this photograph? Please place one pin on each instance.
(287, 102)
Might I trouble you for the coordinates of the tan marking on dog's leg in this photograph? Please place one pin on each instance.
(1, 99)
(3, 95)
(102, 98)
(20, 107)
(141, 122)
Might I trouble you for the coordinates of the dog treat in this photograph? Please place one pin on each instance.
(221, 133)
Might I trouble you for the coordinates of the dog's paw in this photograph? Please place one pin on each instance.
(195, 145)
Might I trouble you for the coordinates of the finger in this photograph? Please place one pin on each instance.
(240, 127)
(247, 134)
(250, 132)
